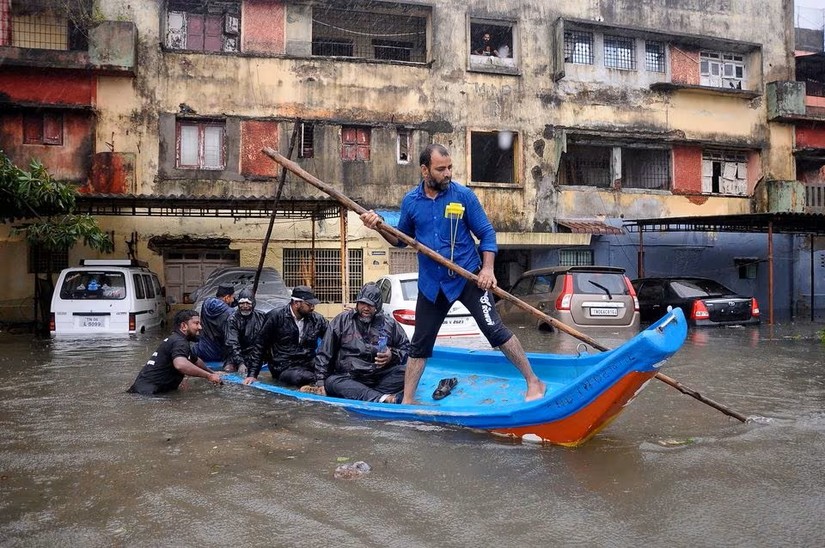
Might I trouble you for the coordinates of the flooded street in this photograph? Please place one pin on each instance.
(82, 463)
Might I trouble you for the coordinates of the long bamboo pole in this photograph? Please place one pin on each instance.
(424, 250)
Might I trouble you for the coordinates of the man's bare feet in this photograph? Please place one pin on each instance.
(535, 391)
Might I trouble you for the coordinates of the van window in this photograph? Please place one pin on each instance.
(85, 284)
(140, 291)
(156, 283)
(150, 289)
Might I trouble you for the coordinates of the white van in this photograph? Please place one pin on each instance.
(103, 296)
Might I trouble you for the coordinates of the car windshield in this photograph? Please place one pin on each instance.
(699, 288)
(101, 285)
(600, 283)
(409, 289)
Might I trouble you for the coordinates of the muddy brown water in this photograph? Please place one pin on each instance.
(84, 464)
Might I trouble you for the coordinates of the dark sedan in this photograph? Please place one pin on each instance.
(705, 302)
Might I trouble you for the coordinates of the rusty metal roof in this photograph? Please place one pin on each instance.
(588, 226)
(239, 207)
(784, 223)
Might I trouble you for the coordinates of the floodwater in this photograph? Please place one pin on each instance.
(82, 463)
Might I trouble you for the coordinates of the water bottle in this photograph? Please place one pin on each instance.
(382, 344)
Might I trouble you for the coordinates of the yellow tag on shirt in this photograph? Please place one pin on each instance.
(454, 210)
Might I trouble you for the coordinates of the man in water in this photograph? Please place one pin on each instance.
(444, 216)
(215, 312)
(174, 359)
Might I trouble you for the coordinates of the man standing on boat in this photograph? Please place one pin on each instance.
(444, 215)
(363, 353)
(288, 341)
(174, 359)
(215, 312)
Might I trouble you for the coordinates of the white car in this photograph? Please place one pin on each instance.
(400, 292)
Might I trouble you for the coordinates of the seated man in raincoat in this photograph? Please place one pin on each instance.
(363, 354)
(242, 329)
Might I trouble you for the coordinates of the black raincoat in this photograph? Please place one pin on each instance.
(350, 344)
(242, 331)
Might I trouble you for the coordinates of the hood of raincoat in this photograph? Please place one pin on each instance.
(371, 295)
(246, 293)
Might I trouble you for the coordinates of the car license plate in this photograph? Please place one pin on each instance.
(455, 321)
(92, 322)
(604, 311)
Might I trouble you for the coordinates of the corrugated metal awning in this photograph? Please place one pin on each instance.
(588, 226)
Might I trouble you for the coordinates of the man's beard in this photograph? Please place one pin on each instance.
(433, 184)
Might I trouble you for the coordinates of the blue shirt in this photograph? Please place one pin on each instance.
(423, 218)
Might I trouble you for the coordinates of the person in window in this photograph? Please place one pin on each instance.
(288, 340)
(363, 354)
(174, 359)
(242, 330)
(485, 47)
(215, 312)
(439, 287)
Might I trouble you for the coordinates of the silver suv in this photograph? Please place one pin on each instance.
(579, 296)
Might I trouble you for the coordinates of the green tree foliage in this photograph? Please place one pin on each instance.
(44, 209)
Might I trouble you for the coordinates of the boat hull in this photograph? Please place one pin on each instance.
(585, 392)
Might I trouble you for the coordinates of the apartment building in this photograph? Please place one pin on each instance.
(566, 118)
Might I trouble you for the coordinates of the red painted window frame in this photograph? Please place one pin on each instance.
(355, 143)
(201, 125)
(43, 128)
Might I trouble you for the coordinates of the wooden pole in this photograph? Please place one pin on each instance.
(424, 250)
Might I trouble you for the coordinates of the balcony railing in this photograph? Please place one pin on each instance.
(815, 198)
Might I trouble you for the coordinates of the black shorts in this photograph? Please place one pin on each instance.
(429, 316)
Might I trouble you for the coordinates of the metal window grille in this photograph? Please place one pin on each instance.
(323, 272)
(578, 47)
(403, 260)
(576, 257)
(646, 168)
(654, 56)
(40, 31)
(39, 258)
(586, 165)
(369, 35)
(619, 52)
(307, 141)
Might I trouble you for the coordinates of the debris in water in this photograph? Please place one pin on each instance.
(675, 443)
(352, 470)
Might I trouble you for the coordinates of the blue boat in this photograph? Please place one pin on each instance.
(584, 392)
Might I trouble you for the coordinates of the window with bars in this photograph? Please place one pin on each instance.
(576, 257)
(403, 260)
(355, 143)
(307, 135)
(195, 25)
(619, 52)
(586, 165)
(654, 56)
(646, 168)
(578, 47)
(40, 258)
(40, 31)
(493, 44)
(377, 30)
(200, 144)
(43, 128)
(322, 271)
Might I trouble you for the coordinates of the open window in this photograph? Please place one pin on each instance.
(307, 136)
(724, 172)
(200, 144)
(492, 45)
(402, 148)
(371, 30)
(493, 157)
(607, 166)
(203, 26)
